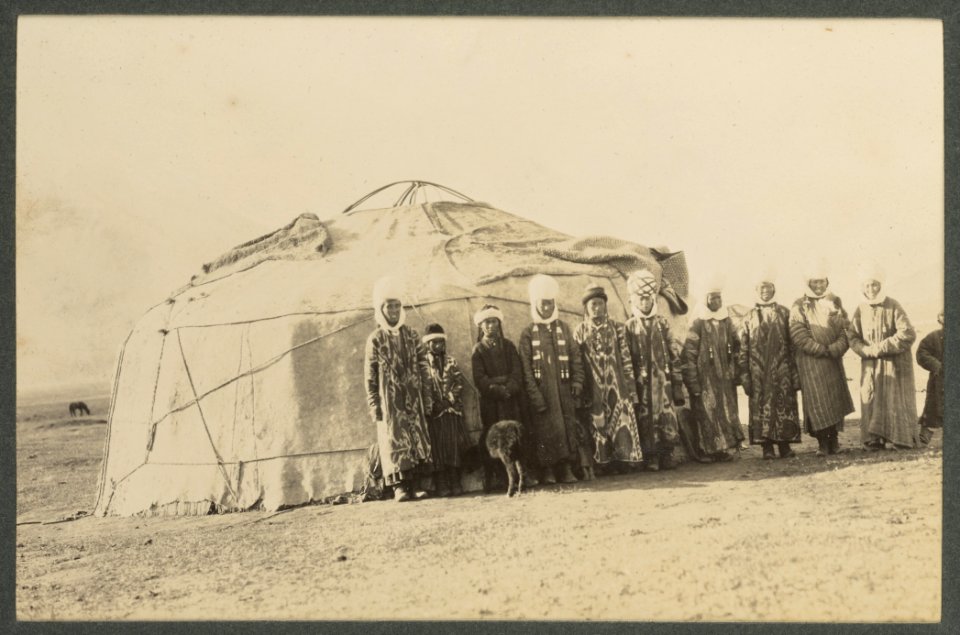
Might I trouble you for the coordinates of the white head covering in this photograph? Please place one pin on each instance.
(387, 288)
(873, 271)
(816, 270)
(640, 284)
(487, 312)
(543, 288)
(767, 275)
(714, 284)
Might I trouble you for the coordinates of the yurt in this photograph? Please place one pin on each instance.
(244, 388)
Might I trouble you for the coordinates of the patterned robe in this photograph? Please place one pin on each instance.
(658, 373)
(930, 358)
(817, 331)
(448, 436)
(710, 370)
(609, 391)
(881, 334)
(554, 416)
(770, 376)
(397, 377)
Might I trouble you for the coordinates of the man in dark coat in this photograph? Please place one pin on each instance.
(930, 357)
(553, 379)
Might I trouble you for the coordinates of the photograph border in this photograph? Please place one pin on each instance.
(945, 11)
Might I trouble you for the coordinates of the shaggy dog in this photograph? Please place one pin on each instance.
(504, 441)
(78, 408)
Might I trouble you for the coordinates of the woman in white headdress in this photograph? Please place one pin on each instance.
(397, 379)
(657, 371)
(769, 368)
(553, 378)
(818, 333)
(711, 373)
(881, 334)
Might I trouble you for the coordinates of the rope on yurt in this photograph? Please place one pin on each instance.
(253, 405)
(152, 431)
(203, 420)
(113, 404)
(257, 369)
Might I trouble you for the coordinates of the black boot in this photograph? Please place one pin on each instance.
(785, 451)
(666, 461)
(768, 450)
(823, 445)
(833, 443)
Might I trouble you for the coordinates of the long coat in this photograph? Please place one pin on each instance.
(817, 331)
(397, 378)
(930, 358)
(448, 436)
(770, 376)
(551, 400)
(659, 376)
(609, 391)
(710, 370)
(498, 376)
(881, 334)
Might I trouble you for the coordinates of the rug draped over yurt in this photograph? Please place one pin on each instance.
(244, 389)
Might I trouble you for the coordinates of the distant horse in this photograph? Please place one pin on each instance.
(78, 408)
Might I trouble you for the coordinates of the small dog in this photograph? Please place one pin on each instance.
(504, 441)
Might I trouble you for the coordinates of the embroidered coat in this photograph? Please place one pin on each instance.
(770, 376)
(548, 381)
(448, 436)
(930, 358)
(881, 334)
(397, 378)
(710, 370)
(817, 331)
(609, 391)
(659, 377)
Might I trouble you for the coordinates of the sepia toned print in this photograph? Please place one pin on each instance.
(461, 318)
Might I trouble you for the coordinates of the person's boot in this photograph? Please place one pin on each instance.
(401, 493)
(833, 442)
(785, 451)
(453, 478)
(768, 451)
(566, 476)
(588, 474)
(822, 445)
(665, 461)
(441, 483)
(548, 476)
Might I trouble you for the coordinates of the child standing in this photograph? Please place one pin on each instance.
(445, 424)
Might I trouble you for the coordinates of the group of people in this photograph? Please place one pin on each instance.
(609, 396)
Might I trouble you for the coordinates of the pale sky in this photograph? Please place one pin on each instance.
(147, 146)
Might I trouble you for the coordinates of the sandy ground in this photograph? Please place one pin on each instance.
(852, 537)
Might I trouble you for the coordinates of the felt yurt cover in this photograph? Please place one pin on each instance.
(244, 389)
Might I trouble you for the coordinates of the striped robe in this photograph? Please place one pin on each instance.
(448, 436)
(609, 391)
(770, 377)
(881, 334)
(819, 340)
(710, 370)
(397, 378)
